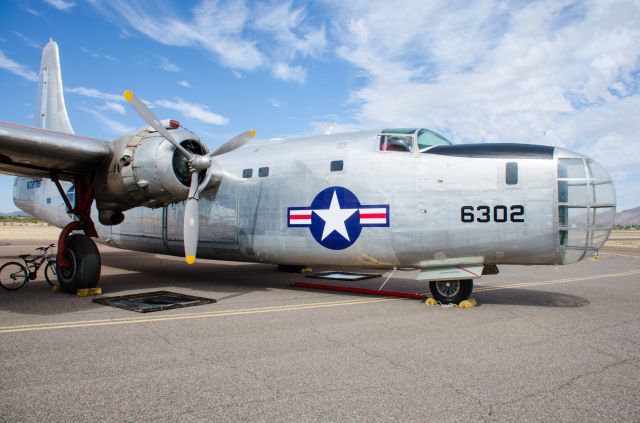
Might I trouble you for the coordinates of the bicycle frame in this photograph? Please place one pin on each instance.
(33, 265)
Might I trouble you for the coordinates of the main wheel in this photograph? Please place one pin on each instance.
(451, 291)
(51, 273)
(13, 276)
(84, 271)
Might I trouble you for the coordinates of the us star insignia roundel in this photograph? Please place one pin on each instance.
(336, 217)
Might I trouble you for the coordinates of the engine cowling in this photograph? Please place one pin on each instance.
(146, 170)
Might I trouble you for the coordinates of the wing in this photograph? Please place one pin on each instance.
(34, 152)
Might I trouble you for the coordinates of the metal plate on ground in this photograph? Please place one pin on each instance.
(147, 302)
(344, 276)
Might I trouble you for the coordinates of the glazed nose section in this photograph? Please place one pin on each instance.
(586, 206)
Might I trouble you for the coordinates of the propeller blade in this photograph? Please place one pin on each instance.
(151, 119)
(234, 143)
(191, 221)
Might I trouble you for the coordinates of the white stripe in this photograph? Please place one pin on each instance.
(300, 222)
(372, 221)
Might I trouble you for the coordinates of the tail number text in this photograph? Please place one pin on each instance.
(486, 214)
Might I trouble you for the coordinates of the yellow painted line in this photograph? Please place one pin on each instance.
(619, 255)
(184, 316)
(557, 281)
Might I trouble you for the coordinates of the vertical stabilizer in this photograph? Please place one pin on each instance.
(52, 113)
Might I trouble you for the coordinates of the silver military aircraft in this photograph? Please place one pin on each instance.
(385, 198)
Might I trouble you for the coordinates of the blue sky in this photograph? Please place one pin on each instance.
(554, 72)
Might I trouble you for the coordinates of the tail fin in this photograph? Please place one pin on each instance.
(52, 113)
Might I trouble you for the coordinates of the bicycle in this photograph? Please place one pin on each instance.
(14, 275)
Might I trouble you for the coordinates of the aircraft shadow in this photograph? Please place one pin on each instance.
(148, 271)
(525, 297)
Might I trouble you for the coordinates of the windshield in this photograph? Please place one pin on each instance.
(427, 138)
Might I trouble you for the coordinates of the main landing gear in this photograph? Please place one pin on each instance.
(454, 291)
(78, 258)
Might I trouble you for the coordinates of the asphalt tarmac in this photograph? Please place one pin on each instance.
(544, 343)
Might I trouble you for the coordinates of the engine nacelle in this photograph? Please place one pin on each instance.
(146, 170)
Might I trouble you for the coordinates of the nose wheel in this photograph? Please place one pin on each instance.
(454, 291)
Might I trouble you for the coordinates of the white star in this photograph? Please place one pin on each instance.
(334, 218)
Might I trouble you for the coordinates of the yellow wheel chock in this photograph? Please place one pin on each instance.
(89, 292)
(471, 302)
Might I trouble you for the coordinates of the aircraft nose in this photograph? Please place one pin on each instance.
(586, 205)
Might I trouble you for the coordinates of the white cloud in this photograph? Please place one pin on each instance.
(236, 36)
(192, 110)
(94, 93)
(167, 66)
(286, 24)
(289, 73)
(184, 83)
(112, 126)
(30, 10)
(61, 4)
(114, 107)
(98, 55)
(28, 41)
(16, 68)
(275, 103)
(214, 26)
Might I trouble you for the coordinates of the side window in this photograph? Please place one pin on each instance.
(247, 173)
(512, 173)
(263, 172)
(337, 165)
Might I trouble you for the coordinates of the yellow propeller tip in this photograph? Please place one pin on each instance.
(191, 259)
(253, 132)
(128, 95)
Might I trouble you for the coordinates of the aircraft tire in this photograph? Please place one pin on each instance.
(86, 265)
(448, 292)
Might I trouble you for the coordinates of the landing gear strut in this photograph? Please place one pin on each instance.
(78, 259)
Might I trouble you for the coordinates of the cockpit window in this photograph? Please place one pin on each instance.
(396, 143)
(404, 139)
(427, 138)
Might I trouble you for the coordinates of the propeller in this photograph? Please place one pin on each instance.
(197, 163)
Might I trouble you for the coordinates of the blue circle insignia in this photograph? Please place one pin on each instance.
(335, 218)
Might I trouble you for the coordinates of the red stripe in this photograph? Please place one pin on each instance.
(373, 216)
(299, 216)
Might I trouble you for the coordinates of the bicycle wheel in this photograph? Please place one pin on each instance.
(13, 276)
(51, 273)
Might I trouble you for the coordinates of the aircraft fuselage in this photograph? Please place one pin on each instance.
(459, 206)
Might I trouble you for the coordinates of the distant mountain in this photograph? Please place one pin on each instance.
(18, 213)
(628, 217)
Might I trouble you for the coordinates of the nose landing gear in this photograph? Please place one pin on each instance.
(453, 291)
(78, 260)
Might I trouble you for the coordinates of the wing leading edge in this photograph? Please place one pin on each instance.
(34, 152)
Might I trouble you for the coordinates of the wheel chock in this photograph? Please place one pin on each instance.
(89, 292)
(431, 301)
(471, 302)
(56, 288)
